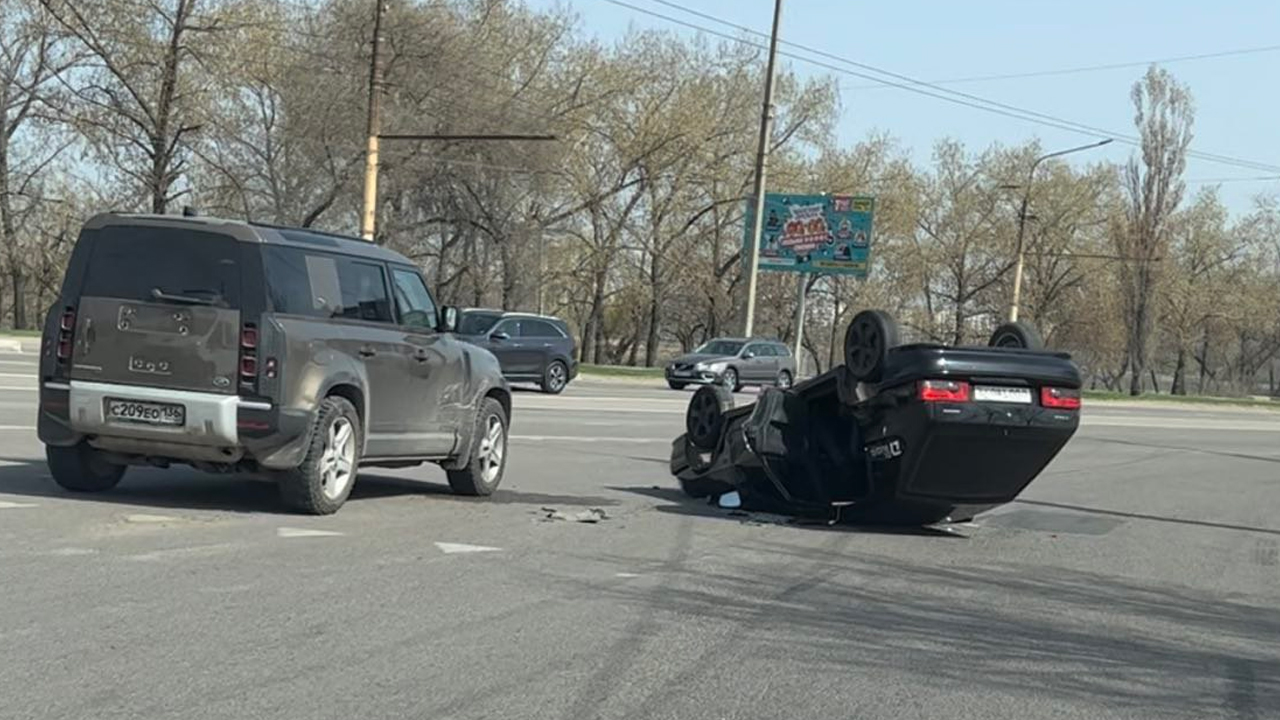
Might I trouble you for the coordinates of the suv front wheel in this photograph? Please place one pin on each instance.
(488, 453)
(322, 483)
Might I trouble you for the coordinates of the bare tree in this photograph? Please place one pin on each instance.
(1164, 115)
(134, 98)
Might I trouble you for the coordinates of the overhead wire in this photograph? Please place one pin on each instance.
(918, 86)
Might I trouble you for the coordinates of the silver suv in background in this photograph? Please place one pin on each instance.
(734, 362)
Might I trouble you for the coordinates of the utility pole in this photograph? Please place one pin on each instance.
(1022, 222)
(762, 163)
(369, 217)
(802, 290)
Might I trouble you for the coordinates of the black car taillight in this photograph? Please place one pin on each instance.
(66, 334)
(1060, 398)
(944, 391)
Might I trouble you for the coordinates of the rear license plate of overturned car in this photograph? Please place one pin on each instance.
(1015, 395)
(146, 413)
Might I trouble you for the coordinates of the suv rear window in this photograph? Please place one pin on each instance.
(131, 263)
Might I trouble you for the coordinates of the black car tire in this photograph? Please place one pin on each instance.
(675, 385)
(704, 418)
(80, 468)
(477, 477)
(1016, 335)
(731, 380)
(304, 488)
(555, 378)
(867, 341)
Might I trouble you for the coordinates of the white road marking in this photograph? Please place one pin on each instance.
(23, 389)
(147, 519)
(288, 532)
(626, 575)
(7, 505)
(590, 438)
(24, 363)
(26, 376)
(451, 548)
(72, 552)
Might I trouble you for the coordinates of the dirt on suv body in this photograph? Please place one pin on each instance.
(235, 347)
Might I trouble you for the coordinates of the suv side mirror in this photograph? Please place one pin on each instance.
(448, 319)
(747, 355)
(499, 336)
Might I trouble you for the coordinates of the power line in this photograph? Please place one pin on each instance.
(1214, 181)
(913, 85)
(1087, 68)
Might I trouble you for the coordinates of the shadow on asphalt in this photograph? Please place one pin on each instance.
(681, 504)
(184, 488)
(1048, 634)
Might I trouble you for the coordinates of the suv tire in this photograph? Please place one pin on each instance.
(555, 378)
(486, 459)
(322, 482)
(80, 468)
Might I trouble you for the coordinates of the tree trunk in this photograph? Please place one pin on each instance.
(18, 279)
(1180, 374)
(1203, 360)
(655, 313)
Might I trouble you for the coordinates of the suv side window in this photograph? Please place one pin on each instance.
(510, 326)
(413, 300)
(539, 329)
(326, 286)
(364, 291)
(782, 351)
(757, 350)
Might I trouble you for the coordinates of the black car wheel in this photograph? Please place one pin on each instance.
(486, 460)
(704, 418)
(1016, 335)
(867, 341)
(555, 378)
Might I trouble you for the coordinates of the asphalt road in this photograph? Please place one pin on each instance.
(1138, 577)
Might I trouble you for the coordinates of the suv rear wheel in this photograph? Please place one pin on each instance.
(488, 458)
(322, 483)
(555, 378)
(80, 468)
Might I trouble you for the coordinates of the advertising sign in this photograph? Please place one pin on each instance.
(824, 234)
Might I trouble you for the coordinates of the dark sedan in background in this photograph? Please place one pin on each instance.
(530, 348)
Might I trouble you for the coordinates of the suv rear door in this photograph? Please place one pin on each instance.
(160, 306)
(543, 341)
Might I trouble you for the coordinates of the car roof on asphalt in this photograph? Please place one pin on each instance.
(254, 233)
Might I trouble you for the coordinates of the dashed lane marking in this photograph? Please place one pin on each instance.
(452, 548)
(8, 505)
(288, 532)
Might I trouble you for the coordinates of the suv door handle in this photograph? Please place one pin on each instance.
(367, 351)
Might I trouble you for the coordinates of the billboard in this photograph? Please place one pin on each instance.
(823, 234)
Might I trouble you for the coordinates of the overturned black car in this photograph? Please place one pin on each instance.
(900, 434)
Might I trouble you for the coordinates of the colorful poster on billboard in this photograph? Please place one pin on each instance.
(824, 234)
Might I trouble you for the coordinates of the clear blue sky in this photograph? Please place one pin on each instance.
(1237, 101)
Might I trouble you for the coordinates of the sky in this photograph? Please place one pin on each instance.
(1236, 97)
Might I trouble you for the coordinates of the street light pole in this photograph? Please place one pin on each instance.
(1022, 222)
(762, 162)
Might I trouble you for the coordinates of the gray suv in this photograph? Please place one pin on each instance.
(292, 353)
(734, 362)
(530, 348)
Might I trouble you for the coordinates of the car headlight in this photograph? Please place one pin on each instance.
(713, 367)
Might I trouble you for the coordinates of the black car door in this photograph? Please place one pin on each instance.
(542, 342)
(505, 343)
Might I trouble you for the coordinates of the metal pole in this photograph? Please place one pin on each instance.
(802, 291)
(369, 217)
(1022, 223)
(762, 162)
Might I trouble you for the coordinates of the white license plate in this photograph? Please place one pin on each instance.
(681, 373)
(1018, 396)
(146, 413)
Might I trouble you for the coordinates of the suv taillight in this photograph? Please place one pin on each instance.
(248, 353)
(1060, 398)
(66, 334)
(946, 391)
